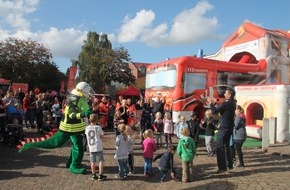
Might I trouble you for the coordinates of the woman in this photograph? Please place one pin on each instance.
(240, 133)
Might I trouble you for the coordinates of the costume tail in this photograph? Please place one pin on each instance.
(51, 140)
(37, 139)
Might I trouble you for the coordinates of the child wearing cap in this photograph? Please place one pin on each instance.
(193, 126)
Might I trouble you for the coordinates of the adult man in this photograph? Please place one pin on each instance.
(227, 114)
(158, 106)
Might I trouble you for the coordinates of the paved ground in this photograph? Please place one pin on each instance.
(45, 169)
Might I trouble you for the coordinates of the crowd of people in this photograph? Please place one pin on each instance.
(152, 118)
(32, 109)
(225, 121)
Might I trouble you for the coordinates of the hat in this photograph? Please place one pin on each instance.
(192, 114)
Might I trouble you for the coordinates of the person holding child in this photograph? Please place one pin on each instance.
(186, 150)
(165, 163)
(149, 147)
(227, 123)
(94, 134)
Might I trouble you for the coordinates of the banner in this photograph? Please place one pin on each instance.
(71, 78)
(24, 87)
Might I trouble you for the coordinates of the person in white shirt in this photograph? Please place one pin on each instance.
(94, 134)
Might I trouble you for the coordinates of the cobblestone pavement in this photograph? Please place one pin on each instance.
(45, 169)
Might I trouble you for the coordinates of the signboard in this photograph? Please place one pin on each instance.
(71, 78)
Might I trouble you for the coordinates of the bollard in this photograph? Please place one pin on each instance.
(265, 134)
(272, 130)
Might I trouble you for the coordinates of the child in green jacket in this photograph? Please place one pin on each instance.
(186, 150)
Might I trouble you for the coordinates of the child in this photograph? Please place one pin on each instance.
(149, 147)
(117, 120)
(129, 132)
(168, 128)
(49, 124)
(181, 124)
(56, 112)
(186, 150)
(166, 163)
(122, 149)
(240, 134)
(208, 124)
(158, 128)
(193, 126)
(94, 134)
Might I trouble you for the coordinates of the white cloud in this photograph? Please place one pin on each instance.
(188, 27)
(136, 27)
(12, 13)
(62, 43)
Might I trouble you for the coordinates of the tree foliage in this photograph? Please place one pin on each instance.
(99, 64)
(26, 61)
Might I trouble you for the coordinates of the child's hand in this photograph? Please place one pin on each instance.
(173, 177)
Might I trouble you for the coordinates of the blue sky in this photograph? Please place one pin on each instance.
(151, 30)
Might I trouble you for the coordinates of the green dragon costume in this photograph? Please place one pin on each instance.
(72, 126)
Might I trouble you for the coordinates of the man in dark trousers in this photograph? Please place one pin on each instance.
(193, 125)
(227, 116)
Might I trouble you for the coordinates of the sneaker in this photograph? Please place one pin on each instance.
(119, 177)
(221, 171)
(125, 176)
(95, 177)
(240, 165)
(102, 177)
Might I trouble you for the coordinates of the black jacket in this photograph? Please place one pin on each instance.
(193, 125)
(165, 162)
(227, 111)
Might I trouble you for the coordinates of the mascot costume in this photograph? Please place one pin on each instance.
(72, 126)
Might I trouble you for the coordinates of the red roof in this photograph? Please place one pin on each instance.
(248, 32)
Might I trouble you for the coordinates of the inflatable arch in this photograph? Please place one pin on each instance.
(265, 101)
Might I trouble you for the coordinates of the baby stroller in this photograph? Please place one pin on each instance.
(48, 123)
(13, 130)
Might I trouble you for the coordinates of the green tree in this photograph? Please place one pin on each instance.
(99, 64)
(27, 61)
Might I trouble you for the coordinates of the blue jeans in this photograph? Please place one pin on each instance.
(123, 167)
(159, 139)
(163, 173)
(224, 158)
(148, 166)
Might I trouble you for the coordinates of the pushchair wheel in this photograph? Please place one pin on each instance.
(10, 141)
